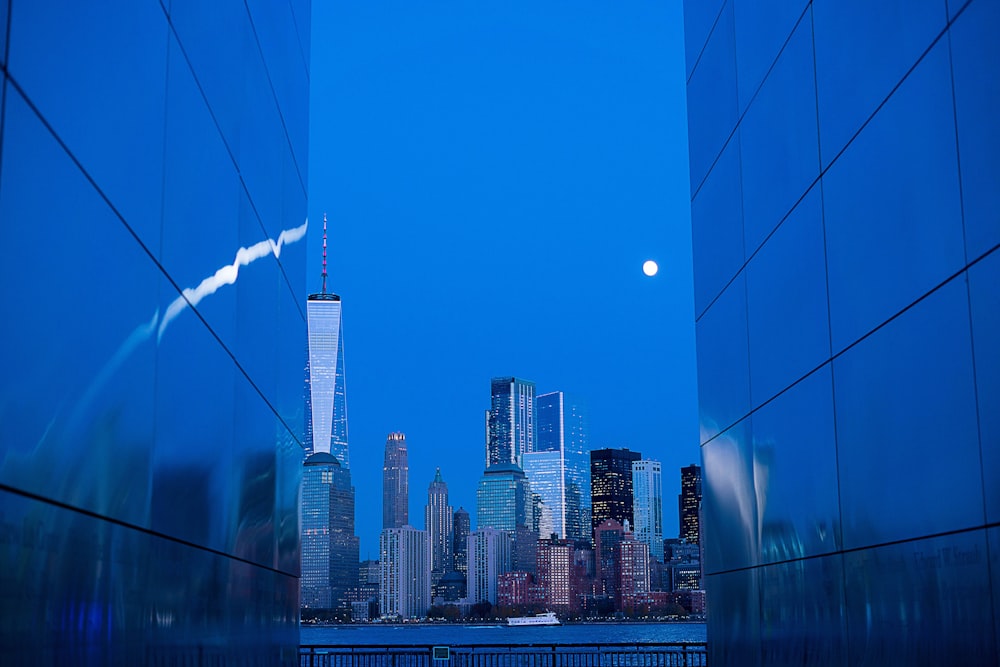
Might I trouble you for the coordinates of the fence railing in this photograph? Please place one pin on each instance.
(684, 654)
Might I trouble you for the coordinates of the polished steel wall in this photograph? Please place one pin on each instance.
(152, 209)
(845, 179)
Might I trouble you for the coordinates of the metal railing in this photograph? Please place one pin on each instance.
(682, 654)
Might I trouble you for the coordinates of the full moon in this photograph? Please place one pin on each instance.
(649, 267)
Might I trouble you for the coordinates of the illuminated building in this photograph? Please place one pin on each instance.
(405, 572)
(510, 424)
(647, 506)
(611, 485)
(395, 483)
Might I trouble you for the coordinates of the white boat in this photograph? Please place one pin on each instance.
(548, 618)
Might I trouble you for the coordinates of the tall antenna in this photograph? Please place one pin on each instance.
(324, 252)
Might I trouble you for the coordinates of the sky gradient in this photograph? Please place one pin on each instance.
(494, 178)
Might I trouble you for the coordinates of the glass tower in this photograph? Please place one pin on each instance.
(559, 468)
(438, 520)
(503, 499)
(327, 395)
(689, 504)
(510, 423)
(329, 546)
(647, 506)
(153, 172)
(845, 183)
(460, 535)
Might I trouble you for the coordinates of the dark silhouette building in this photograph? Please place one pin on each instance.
(611, 485)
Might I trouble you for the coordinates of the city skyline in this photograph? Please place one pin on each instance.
(489, 213)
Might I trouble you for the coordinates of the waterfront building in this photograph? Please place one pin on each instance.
(845, 162)
(606, 539)
(461, 527)
(559, 467)
(555, 574)
(151, 397)
(514, 590)
(329, 545)
(631, 571)
(490, 555)
(689, 504)
(611, 485)
(647, 506)
(395, 482)
(438, 520)
(405, 573)
(510, 423)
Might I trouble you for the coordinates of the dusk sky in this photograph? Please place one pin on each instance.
(495, 175)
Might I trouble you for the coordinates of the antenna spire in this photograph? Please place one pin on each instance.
(324, 252)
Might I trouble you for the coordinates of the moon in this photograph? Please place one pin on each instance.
(649, 267)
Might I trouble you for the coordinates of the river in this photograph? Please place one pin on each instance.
(428, 634)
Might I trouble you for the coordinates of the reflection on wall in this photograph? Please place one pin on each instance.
(847, 276)
(150, 412)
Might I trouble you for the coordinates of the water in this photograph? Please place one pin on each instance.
(453, 635)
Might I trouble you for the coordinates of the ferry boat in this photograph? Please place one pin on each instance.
(548, 618)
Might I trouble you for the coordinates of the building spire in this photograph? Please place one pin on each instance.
(324, 252)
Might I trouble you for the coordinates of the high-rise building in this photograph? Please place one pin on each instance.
(647, 506)
(554, 573)
(326, 395)
(845, 163)
(503, 498)
(461, 527)
(510, 423)
(559, 467)
(607, 536)
(490, 555)
(689, 504)
(329, 545)
(438, 520)
(153, 331)
(632, 572)
(395, 482)
(611, 485)
(405, 572)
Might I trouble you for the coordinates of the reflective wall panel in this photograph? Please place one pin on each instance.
(850, 511)
(152, 197)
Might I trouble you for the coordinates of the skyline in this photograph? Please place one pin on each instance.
(489, 214)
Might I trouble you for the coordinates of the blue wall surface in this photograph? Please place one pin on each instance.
(152, 208)
(845, 180)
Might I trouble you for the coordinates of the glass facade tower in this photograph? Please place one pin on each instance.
(845, 182)
(611, 486)
(438, 522)
(510, 423)
(327, 393)
(395, 482)
(153, 171)
(647, 505)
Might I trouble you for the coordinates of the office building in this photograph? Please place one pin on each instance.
(689, 504)
(438, 520)
(395, 482)
(405, 573)
(647, 506)
(845, 163)
(490, 555)
(559, 468)
(153, 271)
(329, 545)
(611, 485)
(326, 392)
(461, 527)
(503, 498)
(510, 423)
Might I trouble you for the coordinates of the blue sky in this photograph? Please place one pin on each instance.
(494, 176)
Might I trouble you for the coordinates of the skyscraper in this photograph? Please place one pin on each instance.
(845, 163)
(559, 468)
(326, 398)
(611, 485)
(511, 420)
(405, 572)
(490, 555)
(647, 506)
(329, 545)
(689, 504)
(438, 520)
(460, 535)
(153, 331)
(395, 483)
(503, 498)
